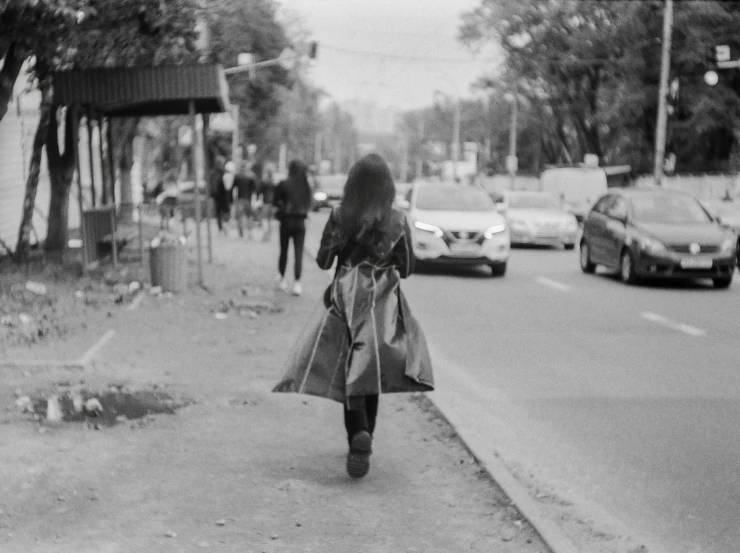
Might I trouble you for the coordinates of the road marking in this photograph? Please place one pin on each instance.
(680, 327)
(554, 284)
(137, 301)
(97, 346)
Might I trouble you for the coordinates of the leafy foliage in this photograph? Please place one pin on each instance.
(587, 73)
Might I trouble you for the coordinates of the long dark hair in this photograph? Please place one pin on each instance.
(367, 204)
(299, 189)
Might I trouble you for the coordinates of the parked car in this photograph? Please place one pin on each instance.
(727, 214)
(328, 191)
(657, 234)
(537, 218)
(457, 225)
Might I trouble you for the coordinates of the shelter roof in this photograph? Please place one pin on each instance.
(144, 91)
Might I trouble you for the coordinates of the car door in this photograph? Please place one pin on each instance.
(594, 230)
(615, 231)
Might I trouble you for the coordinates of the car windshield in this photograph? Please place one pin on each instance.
(533, 201)
(453, 198)
(672, 209)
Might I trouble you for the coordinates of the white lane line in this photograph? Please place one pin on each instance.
(680, 327)
(89, 354)
(137, 301)
(554, 284)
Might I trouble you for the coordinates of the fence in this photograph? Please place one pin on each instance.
(704, 187)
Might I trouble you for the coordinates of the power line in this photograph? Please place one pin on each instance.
(406, 57)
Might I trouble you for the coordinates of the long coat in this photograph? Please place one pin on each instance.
(367, 341)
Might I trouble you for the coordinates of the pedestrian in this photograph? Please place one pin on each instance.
(245, 189)
(292, 200)
(267, 208)
(219, 194)
(364, 341)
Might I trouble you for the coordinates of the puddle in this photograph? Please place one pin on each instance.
(117, 406)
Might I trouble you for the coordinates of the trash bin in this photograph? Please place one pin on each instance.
(169, 267)
(98, 223)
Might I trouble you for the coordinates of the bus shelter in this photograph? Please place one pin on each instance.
(103, 94)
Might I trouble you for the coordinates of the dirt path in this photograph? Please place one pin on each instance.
(239, 468)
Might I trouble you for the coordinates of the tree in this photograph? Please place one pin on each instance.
(250, 27)
(102, 33)
(590, 71)
(31, 28)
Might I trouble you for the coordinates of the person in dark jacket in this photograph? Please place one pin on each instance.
(244, 190)
(364, 341)
(219, 194)
(293, 201)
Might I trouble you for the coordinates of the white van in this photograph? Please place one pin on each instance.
(578, 188)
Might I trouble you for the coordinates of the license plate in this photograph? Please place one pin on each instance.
(465, 248)
(696, 263)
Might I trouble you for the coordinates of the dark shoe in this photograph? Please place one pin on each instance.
(358, 458)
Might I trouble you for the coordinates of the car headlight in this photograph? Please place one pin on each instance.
(433, 229)
(728, 246)
(320, 196)
(496, 229)
(651, 245)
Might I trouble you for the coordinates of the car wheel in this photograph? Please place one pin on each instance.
(570, 246)
(627, 268)
(587, 266)
(722, 283)
(498, 269)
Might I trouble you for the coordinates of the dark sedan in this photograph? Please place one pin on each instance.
(657, 234)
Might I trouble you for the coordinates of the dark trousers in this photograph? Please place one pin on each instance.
(362, 415)
(292, 228)
(222, 208)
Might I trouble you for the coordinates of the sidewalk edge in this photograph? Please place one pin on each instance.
(553, 536)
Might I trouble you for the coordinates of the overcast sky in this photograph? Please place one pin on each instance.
(364, 46)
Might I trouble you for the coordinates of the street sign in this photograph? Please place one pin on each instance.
(721, 53)
(729, 64)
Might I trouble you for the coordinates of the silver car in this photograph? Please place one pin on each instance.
(537, 218)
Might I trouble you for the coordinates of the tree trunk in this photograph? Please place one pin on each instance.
(125, 146)
(61, 173)
(14, 58)
(23, 246)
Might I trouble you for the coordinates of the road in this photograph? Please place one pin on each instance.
(622, 400)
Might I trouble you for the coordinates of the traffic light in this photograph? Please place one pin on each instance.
(312, 49)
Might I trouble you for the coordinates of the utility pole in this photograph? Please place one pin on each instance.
(456, 139)
(665, 69)
(511, 160)
(420, 159)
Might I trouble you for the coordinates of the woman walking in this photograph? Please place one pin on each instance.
(293, 201)
(364, 341)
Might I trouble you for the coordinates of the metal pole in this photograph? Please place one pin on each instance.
(101, 154)
(512, 137)
(76, 148)
(665, 69)
(88, 120)
(111, 162)
(206, 175)
(456, 139)
(317, 151)
(196, 191)
(420, 160)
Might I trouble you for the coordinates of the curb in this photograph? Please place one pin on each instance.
(553, 536)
